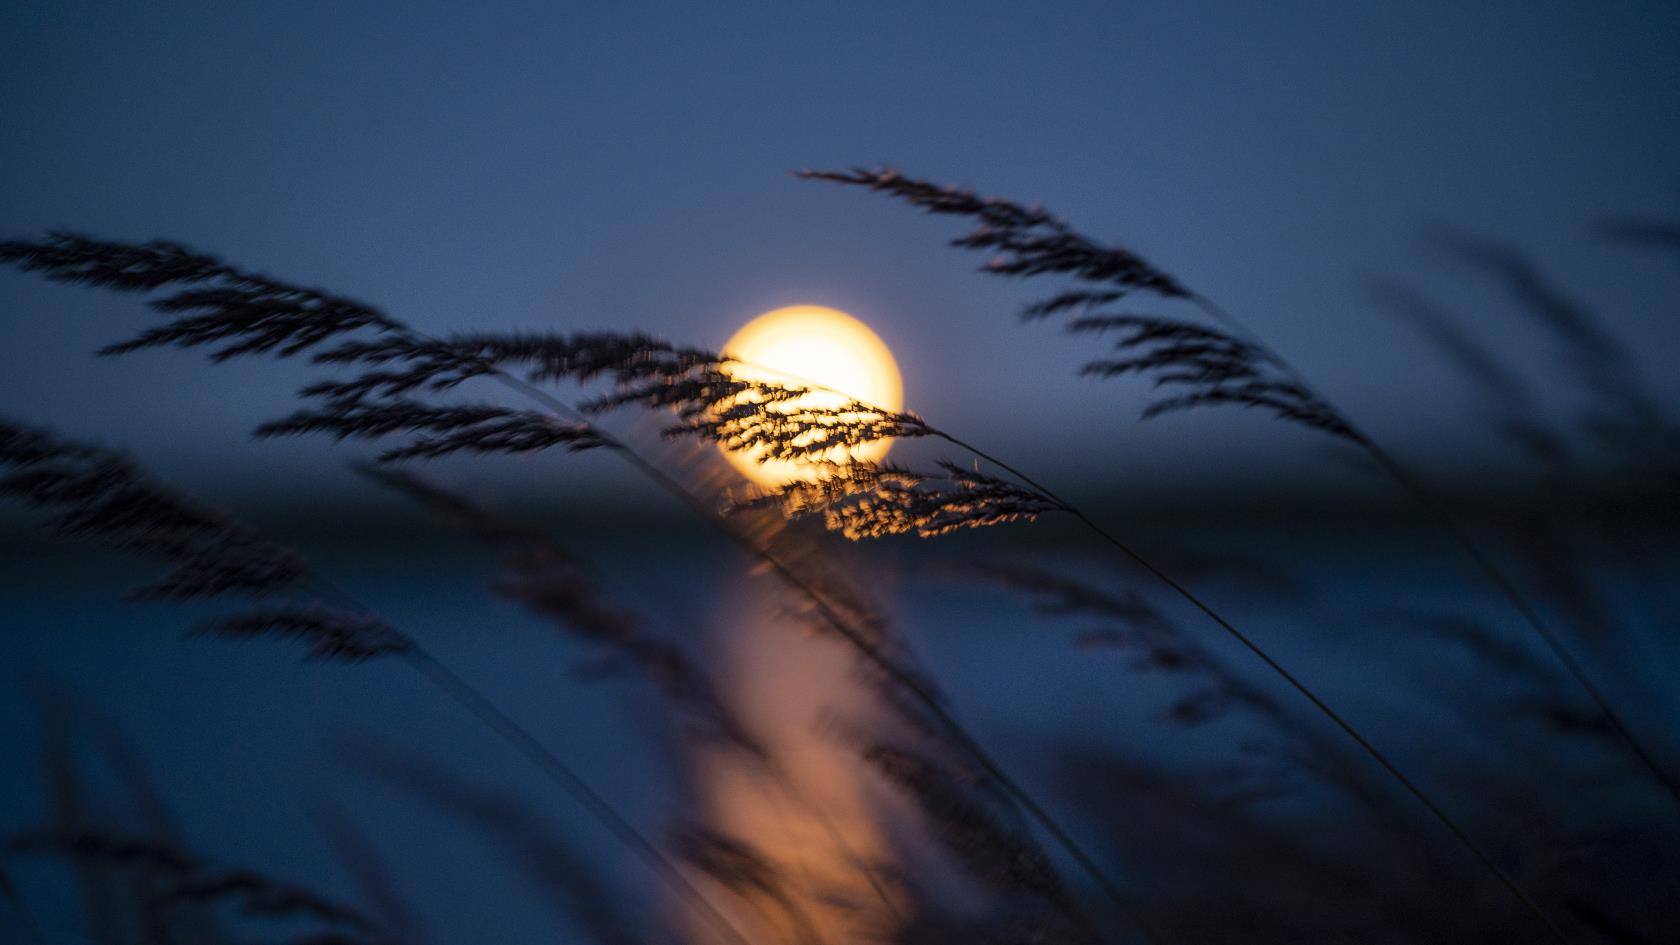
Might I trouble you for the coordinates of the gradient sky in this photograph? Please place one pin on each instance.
(570, 165)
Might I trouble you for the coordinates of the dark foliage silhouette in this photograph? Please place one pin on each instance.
(1200, 858)
(1209, 361)
(406, 360)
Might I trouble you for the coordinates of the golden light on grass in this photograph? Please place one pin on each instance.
(814, 346)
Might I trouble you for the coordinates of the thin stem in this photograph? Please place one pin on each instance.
(469, 698)
(1435, 809)
(1288, 677)
(923, 695)
(487, 712)
(870, 652)
(1425, 497)
(1335, 717)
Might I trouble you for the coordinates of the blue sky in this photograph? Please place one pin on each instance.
(560, 166)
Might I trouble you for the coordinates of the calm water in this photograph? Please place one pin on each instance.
(260, 759)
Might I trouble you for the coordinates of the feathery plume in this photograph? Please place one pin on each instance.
(184, 877)
(100, 494)
(414, 361)
(104, 495)
(1205, 366)
(1210, 365)
(772, 421)
(554, 584)
(404, 362)
(331, 634)
(1623, 415)
(994, 854)
(1134, 625)
(472, 428)
(1028, 241)
(1515, 412)
(863, 499)
(243, 312)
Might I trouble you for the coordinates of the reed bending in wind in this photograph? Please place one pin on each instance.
(102, 495)
(1200, 365)
(236, 312)
(242, 313)
(775, 422)
(181, 878)
(863, 499)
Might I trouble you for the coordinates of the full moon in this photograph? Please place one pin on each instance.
(809, 345)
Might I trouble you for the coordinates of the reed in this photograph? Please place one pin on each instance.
(1229, 365)
(182, 878)
(400, 388)
(235, 312)
(104, 495)
(864, 499)
(558, 586)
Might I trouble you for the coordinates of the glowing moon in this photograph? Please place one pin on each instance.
(809, 345)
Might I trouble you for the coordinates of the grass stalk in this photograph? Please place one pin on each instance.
(1437, 511)
(868, 650)
(505, 727)
(1294, 682)
(1178, 588)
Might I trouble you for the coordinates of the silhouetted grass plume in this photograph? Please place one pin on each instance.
(1227, 810)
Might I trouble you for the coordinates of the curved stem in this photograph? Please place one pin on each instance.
(1431, 504)
(865, 647)
(470, 698)
(1288, 677)
(1497, 577)
(1178, 588)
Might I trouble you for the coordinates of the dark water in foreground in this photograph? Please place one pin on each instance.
(261, 760)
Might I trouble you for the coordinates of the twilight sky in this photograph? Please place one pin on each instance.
(570, 165)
